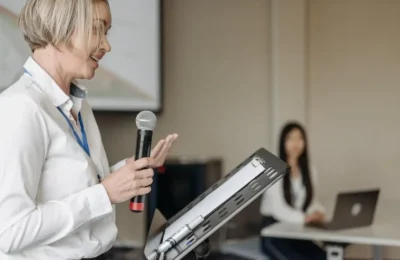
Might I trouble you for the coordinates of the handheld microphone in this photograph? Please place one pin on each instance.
(146, 122)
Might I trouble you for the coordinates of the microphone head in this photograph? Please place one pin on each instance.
(146, 120)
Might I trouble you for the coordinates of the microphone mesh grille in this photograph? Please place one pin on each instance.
(146, 120)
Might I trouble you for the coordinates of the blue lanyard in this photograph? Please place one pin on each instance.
(83, 143)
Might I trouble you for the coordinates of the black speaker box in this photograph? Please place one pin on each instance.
(181, 180)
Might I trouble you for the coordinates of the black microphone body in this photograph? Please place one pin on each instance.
(143, 149)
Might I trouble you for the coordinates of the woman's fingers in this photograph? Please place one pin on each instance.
(142, 163)
(156, 150)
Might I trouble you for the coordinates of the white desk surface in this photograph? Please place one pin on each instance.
(384, 231)
(382, 235)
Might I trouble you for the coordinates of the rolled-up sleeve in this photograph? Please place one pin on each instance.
(23, 148)
(118, 165)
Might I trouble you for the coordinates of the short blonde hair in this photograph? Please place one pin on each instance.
(53, 22)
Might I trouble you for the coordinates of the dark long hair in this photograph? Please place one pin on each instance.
(303, 165)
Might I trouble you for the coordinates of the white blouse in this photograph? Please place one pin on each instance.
(274, 204)
(52, 205)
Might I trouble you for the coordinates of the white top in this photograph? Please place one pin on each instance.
(274, 204)
(51, 203)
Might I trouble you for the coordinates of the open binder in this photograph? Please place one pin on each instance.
(175, 238)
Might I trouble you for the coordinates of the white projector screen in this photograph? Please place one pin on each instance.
(129, 77)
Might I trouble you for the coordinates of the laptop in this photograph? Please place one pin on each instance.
(352, 210)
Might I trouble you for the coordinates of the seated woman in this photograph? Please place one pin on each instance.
(292, 199)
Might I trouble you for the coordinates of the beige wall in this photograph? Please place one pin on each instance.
(348, 59)
(216, 86)
(354, 79)
(353, 91)
(288, 64)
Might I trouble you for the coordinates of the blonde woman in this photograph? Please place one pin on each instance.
(57, 191)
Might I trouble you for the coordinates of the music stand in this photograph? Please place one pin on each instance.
(177, 237)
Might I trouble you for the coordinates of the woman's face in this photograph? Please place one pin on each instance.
(294, 144)
(80, 63)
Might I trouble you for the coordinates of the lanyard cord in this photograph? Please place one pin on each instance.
(82, 142)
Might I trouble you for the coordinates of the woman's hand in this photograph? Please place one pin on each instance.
(315, 217)
(160, 151)
(130, 180)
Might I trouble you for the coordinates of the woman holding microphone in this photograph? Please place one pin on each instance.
(57, 190)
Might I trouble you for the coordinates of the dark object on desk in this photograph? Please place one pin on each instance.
(352, 209)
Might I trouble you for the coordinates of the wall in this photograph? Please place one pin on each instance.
(230, 66)
(354, 60)
(216, 87)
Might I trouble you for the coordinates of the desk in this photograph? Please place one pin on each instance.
(378, 235)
